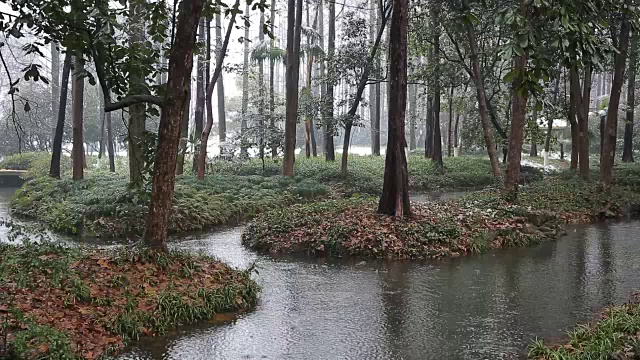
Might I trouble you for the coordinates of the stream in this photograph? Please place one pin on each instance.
(486, 306)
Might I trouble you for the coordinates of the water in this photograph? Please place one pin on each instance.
(476, 307)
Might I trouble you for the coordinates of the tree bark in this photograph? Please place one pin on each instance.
(110, 150)
(413, 102)
(480, 93)
(575, 138)
(262, 123)
(222, 120)
(518, 120)
(450, 125)
(180, 67)
(137, 112)
(55, 81)
(627, 152)
(294, 25)
(272, 95)
(244, 153)
(329, 121)
(77, 108)
(428, 140)
(395, 192)
(204, 138)
(611, 128)
(200, 93)
(582, 106)
(184, 133)
(373, 106)
(533, 152)
(56, 153)
(436, 156)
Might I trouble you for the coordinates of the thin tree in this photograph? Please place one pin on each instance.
(450, 124)
(581, 98)
(329, 123)
(137, 112)
(202, 155)
(294, 25)
(222, 121)
(55, 80)
(611, 127)
(180, 67)
(200, 90)
(56, 154)
(627, 152)
(476, 74)
(245, 86)
(77, 108)
(272, 64)
(413, 103)
(395, 192)
(261, 122)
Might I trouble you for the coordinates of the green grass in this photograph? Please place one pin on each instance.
(614, 336)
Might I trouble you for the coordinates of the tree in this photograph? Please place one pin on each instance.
(55, 79)
(476, 74)
(627, 153)
(436, 154)
(222, 121)
(137, 85)
(294, 25)
(328, 118)
(200, 90)
(413, 103)
(611, 126)
(56, 153)
(202, 154)
(77, 108)
(395, 192)
(272, 63)
(245, 86)
(180, 67)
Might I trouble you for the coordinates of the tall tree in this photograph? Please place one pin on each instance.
(573, 124)
(261, 121)
(137, 112)
(436, 155)
(55, 80)
(272, 64)
(581, 97)
(611, 127)
(518, 117)
(245, 86)
(184, 133)
(222, 121)
(77, 108)
(395, 192)
(373, 106)
(450, 124)
(56, 153)
(109, 134)
(413, 103)
(480, 91)
(328, 119)
(294, 25)
(204, 138)
(627, 152)
(200, 89)
(180, 67)
(375, 122)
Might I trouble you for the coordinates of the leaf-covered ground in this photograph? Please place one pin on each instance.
(474, 223)
(63, 303)
(615, 335)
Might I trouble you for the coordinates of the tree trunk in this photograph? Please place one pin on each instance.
(556, 93)
(533, 152)
(272, 95)
(450, 124)
(56, 153)
(204, 138)
(55, 81)
(222, 120)
(329, 148)
(373, 106)
(428, 140)
(603, 121)
(294, 26)
(456, 142)
(261, 125)
(480, 93)
(611, 128)
(437, 137)
(359, 91)
(413, 102)
(245, 88)
(575, 138)
(184, 133)
(137, 112)
(110, 151)
(200, 92)
(77, 108)
(101, 113)
(395, 192)
(518, 120)
(180, 67)
(627, 152)
(582, 106)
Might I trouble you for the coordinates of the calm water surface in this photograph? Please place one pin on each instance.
(477, 307)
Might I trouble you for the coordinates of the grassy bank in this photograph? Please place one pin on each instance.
(615, 335)
(478, 221)
(63, 303)
(103, 205)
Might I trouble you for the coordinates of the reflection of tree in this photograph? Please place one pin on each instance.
(393, 281)
(607, 285)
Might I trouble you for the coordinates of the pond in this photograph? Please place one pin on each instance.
(486, 306)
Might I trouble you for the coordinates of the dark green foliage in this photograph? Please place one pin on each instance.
(36, 163)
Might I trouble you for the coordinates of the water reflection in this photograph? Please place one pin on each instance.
(487, 306)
